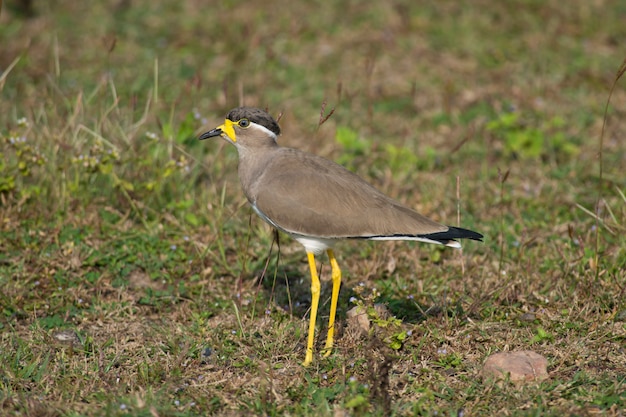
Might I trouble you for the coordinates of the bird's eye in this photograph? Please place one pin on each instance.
(244, 123)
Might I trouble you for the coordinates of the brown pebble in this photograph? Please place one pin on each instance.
(528, 317)
(358, 321)
(66, 337)
(520, 366)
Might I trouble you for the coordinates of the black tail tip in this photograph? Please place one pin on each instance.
(455, 233)
(467, 234)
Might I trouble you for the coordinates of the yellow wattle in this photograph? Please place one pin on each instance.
(227, 128)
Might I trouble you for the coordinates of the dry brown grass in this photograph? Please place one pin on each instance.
(116, 224)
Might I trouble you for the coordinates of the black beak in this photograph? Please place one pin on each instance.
(211, 134)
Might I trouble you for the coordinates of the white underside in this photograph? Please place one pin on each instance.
(318, 245)
(314, 244)
(452, 243)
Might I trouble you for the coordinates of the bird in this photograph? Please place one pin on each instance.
(318, 202)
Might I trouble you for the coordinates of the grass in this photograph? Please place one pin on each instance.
(136, 281)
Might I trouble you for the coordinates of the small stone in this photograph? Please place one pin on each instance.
(66, 337)
(206, 354)
(340, 412)
(520, 366)
(528, 317)
(358, 321)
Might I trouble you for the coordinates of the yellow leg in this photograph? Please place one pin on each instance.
(315, 300)
(336, 274)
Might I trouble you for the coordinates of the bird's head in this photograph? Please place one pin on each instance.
(246, 127)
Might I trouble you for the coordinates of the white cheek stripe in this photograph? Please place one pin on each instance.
(265, 130)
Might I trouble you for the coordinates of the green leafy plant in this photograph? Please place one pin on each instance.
(529, 136)
(541, 336)
(449, 360)
(19, 157)
(352, 143)
(389, 328)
